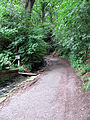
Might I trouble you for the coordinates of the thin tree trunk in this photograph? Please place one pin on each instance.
(43, 13)
(29, 4)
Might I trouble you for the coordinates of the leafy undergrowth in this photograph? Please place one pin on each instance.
(86, 81)
(84, 73)
(85, 77)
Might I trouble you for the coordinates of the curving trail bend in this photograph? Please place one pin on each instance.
(56, 96)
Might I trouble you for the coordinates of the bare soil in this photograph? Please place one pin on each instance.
(57, 95)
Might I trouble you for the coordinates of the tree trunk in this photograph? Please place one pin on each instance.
(43, 13)
(29, 4)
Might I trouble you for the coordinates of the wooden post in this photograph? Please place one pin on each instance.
(17, 57)
(18, 62)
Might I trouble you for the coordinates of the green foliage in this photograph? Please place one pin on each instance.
(33, 49)
(72, 28)
(21, 68)
(20, 36)
(5, 60)
(72, 32)
(10, 19)
(86, 83)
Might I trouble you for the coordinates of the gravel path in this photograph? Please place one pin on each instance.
(56, 96)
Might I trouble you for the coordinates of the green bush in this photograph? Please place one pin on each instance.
(72, 32)
(20, 36)
(5, 60)
(21, 68)
(72, 29)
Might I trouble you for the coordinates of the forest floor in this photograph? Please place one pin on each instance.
(57, 95)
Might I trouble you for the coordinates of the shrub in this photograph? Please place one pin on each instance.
(20, 36)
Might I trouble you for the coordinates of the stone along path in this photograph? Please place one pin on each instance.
(56, 96)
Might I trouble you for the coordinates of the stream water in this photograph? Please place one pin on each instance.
(4, 90)
(9, 85)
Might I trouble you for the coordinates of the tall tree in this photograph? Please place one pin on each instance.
(29, 4)
(43, 6)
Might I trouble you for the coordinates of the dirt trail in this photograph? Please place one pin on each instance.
(56, 96)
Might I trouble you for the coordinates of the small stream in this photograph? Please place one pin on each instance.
(10, 84)
(4, 90)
